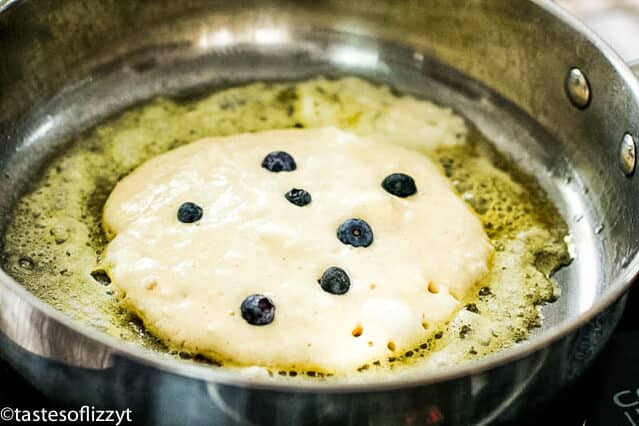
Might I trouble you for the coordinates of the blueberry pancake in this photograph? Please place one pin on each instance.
(406, 261)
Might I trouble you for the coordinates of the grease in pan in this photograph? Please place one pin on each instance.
(55, 242)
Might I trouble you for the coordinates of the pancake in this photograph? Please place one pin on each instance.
(188, 280)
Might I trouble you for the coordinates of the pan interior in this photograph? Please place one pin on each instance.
(213, 61)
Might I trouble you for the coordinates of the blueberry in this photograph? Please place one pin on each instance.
(258, 310)
(279, 161)
(189, 213)
(356, 233)
(335, 281)
(299, 197)
(400, 185)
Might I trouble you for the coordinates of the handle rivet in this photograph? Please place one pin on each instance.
(577, 88)
(628, 154)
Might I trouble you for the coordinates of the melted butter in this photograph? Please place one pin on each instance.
(54, 243)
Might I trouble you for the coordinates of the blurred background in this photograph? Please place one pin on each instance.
(616, 21)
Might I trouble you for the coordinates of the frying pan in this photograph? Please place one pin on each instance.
(535, 81)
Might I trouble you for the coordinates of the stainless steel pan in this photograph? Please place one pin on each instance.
(533, 79)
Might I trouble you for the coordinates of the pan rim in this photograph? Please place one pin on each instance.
(619, 285)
